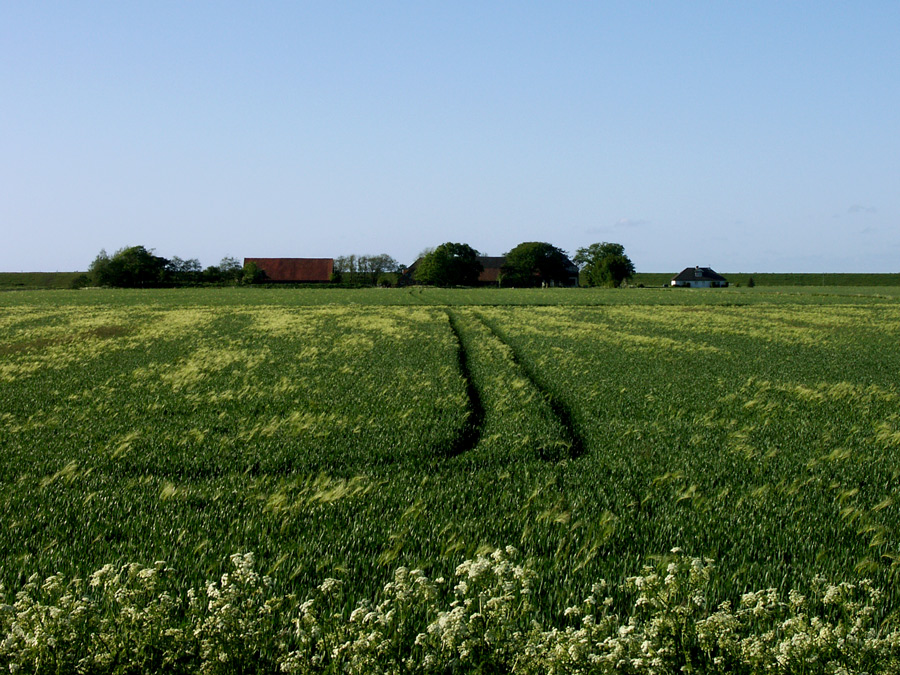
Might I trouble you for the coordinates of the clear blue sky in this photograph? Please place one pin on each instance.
(747, 136)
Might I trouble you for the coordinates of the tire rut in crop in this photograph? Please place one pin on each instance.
(560, 409)
(471, 433)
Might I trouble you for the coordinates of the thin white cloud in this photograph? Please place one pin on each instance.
(859, 208)
(620, 223)
(630, 222)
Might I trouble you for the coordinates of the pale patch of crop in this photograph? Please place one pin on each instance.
(206, 361)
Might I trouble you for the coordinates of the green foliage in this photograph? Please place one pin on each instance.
(137, 267)
(604, 264)
(37, 280)
(449, 265)
(230, 268)
(361, 270)
(130, 267)
(252, 274)
(536, 263)
(184, 271)
(228, 271)
(388, 280)
(81, 281)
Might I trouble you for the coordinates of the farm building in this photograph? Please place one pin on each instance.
(699, 277)
(296, 270)
(489, 274)
(572, 270)
(492, 271)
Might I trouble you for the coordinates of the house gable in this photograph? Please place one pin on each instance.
(699, 277)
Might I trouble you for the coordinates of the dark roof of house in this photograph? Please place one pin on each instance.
(698, 274)
(295, 269)
(491, 265)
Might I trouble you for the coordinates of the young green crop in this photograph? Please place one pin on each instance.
(347, 433)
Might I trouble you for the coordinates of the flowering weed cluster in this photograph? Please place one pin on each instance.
(128, 620)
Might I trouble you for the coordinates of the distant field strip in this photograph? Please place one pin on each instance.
(830, 279)
(63, 280)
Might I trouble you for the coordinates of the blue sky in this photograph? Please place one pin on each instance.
(759, 136)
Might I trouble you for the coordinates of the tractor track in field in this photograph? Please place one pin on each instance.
(471, 434)
(562, 411)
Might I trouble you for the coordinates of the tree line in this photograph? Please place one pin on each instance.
(531, 263)
(450, 264)
(139, 267)
(371, 270)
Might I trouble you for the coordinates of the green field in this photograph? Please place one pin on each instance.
(18, 281)
(63, 280)
(782, 279)
(346, 433)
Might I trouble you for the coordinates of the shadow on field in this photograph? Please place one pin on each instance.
(471, 433)
(562, 412)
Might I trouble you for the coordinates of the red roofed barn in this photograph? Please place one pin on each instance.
(295, 270)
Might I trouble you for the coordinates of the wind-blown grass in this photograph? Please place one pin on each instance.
(335, 439)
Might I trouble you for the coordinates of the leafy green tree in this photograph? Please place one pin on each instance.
(228, 270)
(345, 269)
(130, 267)
(184, 271)
(449, 264)
(535, 263)
(363, 269)
(375, 266)
(99, 271)
(230, 266)
(604, 264)
(252, 274)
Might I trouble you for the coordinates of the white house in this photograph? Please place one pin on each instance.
(699, 277)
